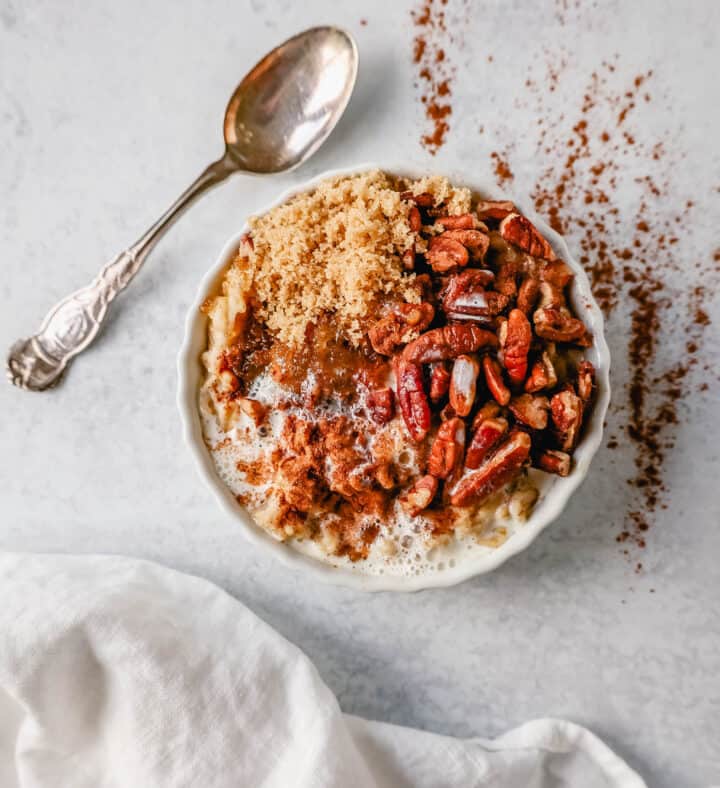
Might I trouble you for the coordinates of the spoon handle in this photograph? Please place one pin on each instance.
(72, 324)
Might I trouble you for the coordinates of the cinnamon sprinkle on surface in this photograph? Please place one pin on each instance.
(435, 72)
(503, 173)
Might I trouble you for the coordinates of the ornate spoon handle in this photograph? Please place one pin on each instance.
(71, 325)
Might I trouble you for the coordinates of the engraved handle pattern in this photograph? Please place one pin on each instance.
(72, 324)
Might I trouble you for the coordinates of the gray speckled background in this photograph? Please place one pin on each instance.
(107, 110)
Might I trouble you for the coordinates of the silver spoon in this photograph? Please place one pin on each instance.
(277, 118)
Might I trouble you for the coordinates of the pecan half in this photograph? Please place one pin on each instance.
(410, 393)
(473, 239)
(495, 472)
(567, 412)
(414, 219)
(465, 296)
(446, 254)
(515, 340)
(447, 450)
(530, 410)
(448, 342)
(419, 496)
(494, 379)
(552, 461)
(403, 323)
(519, 230)
(528, 293)
(381, 404)
(439, 381)
(463, 384)
(552, 319)
(542, 375)
(472, 279)
(494, 209)
(558, 325)
(486, 436)
(464, 221)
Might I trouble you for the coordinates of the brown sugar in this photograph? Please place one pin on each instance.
(301, 248)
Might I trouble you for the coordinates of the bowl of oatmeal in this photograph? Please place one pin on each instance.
(393, 381)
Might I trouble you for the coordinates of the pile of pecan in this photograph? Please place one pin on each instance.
(485, 353)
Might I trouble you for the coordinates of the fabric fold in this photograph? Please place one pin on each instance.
(119, 672)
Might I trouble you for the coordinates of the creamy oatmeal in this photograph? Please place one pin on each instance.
(391, 366)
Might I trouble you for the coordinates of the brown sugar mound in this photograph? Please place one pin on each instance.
(334, 250)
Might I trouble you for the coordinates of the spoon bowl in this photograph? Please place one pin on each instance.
(286, 106)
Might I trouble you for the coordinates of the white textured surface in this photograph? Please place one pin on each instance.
(107, 110)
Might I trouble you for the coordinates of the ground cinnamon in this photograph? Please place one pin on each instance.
(435, 73)
(503, 173)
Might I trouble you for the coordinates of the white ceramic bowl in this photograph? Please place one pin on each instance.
(548, 507)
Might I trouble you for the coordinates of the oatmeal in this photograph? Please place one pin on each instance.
(391, 365)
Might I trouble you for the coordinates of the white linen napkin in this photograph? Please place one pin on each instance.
(118, 672)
